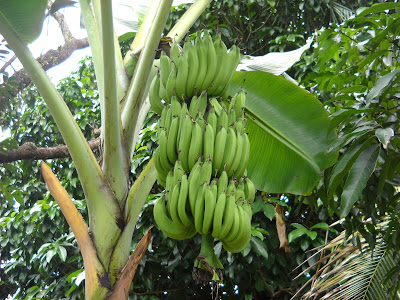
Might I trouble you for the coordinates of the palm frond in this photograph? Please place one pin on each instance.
(342, 12)
(353, 273)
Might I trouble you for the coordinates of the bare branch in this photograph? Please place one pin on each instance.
(29, 151)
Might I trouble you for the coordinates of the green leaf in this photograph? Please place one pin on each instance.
(384, 135)
(259, 247)
(378, 7)
(257, 233)
(296, 234)
(269, 211)
(62, 252)
(381, 85)
(344, 165)
(288, 131)
(358, 178)
(25, 17)
(320, 225)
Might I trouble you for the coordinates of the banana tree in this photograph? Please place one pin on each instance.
(288, 131)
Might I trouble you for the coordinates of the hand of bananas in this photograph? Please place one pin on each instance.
(203, 148)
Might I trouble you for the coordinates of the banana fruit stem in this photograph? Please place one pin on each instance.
(207, 260)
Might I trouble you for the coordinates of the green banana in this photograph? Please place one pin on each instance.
(165, 67)
(171, 140)
(209, 207)
(243, 237)
(183, 196)
(194, 106)
(194, 184)
(218, 215)
(193, 62)
(168, 119)
(238, 154)
(172, 230)
(173, 208)
(228, 217)
(196, 145)
(184, 142)
(231, 187)
(217, 106)
(199, 208)
(231, 117)
(230, 148)
(178, 172)
(202, 55)
(235, 226)
(202, 106)
(154, 95)
(249, 190)
(231, 62)
(246, 153)
(222, 67)
(161, 121)
(161, 172)
(211, 62)
(162, 141)
(240, 102)
(171, 85)
(183, 69)
(206, 171)
(184, 111)
(223, 119)
(219, 149)
(223, 181)
(208, 144)
(212, 119)
(176, 107)
(240, 124)
(174, 52)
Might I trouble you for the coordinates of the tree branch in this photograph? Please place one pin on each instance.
(29, 151)
(51, 58)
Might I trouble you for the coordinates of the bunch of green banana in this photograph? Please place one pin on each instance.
(203, 149)
(203, 65)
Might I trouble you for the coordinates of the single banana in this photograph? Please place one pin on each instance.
(194, 184)
(231, 116)
(238, 154)
(154, 95)
(230, 148)
(240, 124)
(209, 207)
(181, 77)
(222, 119)
(176, 107)
(212, 119)
(162, 141)
(161, 172)
(184, 142)
(228, 217)
(240, 103)
(206, 171)
(203, 101)
(171, 140)
(223, 181)
(193, 63)
(219, 149)
(211, 62)
(208, 144)
(218, 215)
(169, 183)
(171, 85)
(161, 121)
(196, 145)
(249, 190)
(199, 208)
(217, 106)
(165, 67)
(173, 208)
(202, 54)
(194, 106)
(168, 119)
(183, 196)
(178, 172)
(164, 222)
(182, 115)
(174, 52)
(246, 153)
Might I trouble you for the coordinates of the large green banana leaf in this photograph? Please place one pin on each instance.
(25, 17)
(289, 134)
